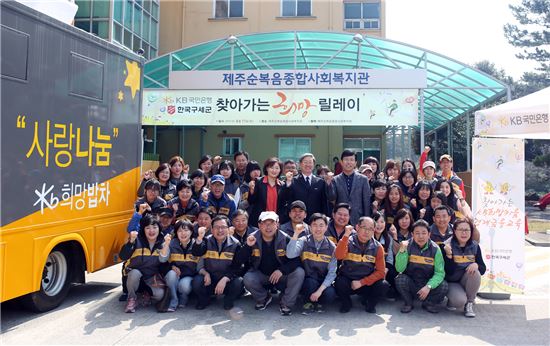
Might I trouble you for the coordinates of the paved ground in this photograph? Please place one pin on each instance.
(93, 315)
(538, 238)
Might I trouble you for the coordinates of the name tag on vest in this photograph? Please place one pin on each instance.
(421, 260)
(464, 259)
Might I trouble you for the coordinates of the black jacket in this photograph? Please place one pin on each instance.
(253, 255)
(313, 195)
(258, 201)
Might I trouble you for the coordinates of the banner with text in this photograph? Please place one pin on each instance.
(281, 107)
(524, 121)
(299, 79)
(499, 211)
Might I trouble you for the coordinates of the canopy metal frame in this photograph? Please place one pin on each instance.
(454, 89)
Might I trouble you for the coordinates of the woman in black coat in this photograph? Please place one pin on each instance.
(264, 191)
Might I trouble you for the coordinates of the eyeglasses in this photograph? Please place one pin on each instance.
(465, 230)
(219, 228)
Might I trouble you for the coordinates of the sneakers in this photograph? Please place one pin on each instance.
(285, 310)
(469, 310)
(131, 305)
(146, 299)
(430, 307)
(449, 307)
(171, 309)
(308, 308)
(319, 308)
(264, 304)
(406, 309)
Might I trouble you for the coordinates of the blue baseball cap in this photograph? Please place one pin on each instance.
(218, 178)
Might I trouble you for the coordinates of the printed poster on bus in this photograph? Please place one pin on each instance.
(499, 211)
(373, 107)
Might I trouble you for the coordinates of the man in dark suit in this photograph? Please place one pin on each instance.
(306, 187)
(350, 187)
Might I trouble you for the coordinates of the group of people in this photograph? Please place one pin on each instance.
(233, 228)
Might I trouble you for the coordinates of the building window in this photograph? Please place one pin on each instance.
(228, 8)
(293, 148)
(362, 15)
(296, 8)
(134, 22)
(363, 147)
(231, 145)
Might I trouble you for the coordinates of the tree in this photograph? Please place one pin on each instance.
(534, 34)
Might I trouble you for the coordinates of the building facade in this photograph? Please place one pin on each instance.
(133, 24)
(187, 23)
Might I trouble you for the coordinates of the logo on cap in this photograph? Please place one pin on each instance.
(218, 178)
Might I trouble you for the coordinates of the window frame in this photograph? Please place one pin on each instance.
(296, 9)
(362, 21)
(224, 145)
(228, 10)
(365, 145)
(297, 155)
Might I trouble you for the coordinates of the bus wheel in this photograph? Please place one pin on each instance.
(55, 283)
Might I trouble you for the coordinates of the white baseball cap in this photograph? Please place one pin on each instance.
(268, 215)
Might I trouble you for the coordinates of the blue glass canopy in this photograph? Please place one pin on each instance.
(453, 88)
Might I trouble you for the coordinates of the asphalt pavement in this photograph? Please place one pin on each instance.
(92, 314)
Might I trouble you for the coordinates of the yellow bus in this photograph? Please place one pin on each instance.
(71, 147)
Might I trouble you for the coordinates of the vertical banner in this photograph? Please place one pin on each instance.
(499, 211)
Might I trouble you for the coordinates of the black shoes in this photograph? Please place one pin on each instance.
(406, 309)
(431, 308)
(345, 307)
(285, 310)
(264, 304)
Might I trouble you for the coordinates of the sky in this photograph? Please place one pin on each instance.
(465, 30)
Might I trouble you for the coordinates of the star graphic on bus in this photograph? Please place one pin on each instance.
(132, 77)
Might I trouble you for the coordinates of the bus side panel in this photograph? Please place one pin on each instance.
(2, 260)
(28, 245)
(70, 143)
(109, 238)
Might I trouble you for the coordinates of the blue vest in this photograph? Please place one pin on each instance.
(461, 258)
(315, 262)
(143, 259)
(182, 258)
(280, 248)
(359, 262)
(217, 262)
(421, 262)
